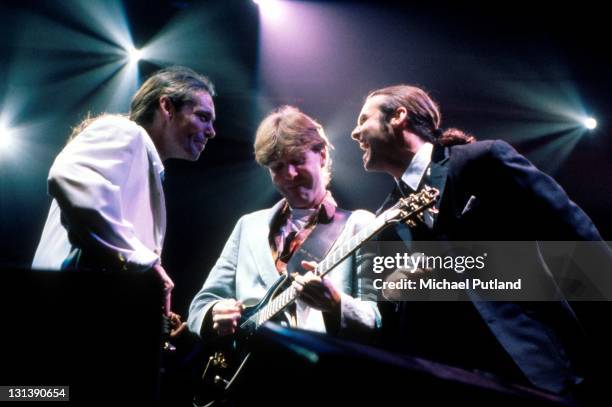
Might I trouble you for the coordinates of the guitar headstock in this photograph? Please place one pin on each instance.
(411, 208)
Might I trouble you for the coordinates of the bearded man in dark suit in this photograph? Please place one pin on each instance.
(488, 192)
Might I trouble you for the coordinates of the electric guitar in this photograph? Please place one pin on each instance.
(229, 362)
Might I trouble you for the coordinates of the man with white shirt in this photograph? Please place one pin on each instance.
(295, 150)
(108, 208)
(488, 192)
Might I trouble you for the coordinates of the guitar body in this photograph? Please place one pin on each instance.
(247, 327)
(229, 355)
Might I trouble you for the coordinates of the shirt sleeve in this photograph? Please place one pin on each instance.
(558, 217)
(220, 283)
(358, 314)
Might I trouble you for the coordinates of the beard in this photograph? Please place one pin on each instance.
(379, 148)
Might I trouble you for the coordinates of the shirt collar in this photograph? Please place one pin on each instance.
(153, 154)
(326, 210)
(417, 167)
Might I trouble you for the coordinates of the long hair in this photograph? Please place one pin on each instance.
(177, 83)
(424, 116)
(288, 131)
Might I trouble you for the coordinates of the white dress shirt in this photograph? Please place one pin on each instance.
(106, 185)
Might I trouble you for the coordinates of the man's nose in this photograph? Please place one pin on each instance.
(291, 171)
(355, 134)
(210, 132)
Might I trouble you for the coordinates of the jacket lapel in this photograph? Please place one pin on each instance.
(259, 234)
(389, 201)
(438, 174)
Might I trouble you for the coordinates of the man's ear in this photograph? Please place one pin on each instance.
(166, 107)
(323, 156)
(399, 118)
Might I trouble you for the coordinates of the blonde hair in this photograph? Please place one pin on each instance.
(287, 131)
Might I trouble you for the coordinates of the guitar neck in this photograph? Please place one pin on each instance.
(347, 248)
(289, 295)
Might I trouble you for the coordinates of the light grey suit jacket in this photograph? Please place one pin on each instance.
(245, 271)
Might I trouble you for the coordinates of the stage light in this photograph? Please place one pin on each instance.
(270, 9)
(135, 55)
(590, 123)
(6, 138)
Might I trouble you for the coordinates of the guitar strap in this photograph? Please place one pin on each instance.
(319, 242)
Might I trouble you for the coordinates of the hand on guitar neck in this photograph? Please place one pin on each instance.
(317, 292)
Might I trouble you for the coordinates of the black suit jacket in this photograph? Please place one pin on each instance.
(489, 192)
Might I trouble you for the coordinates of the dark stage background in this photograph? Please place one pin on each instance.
(520, 71)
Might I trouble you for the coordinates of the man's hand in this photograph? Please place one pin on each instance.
(225, 316)
(168, 286)
(177, 327)
(316, 292)
(397, 294)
